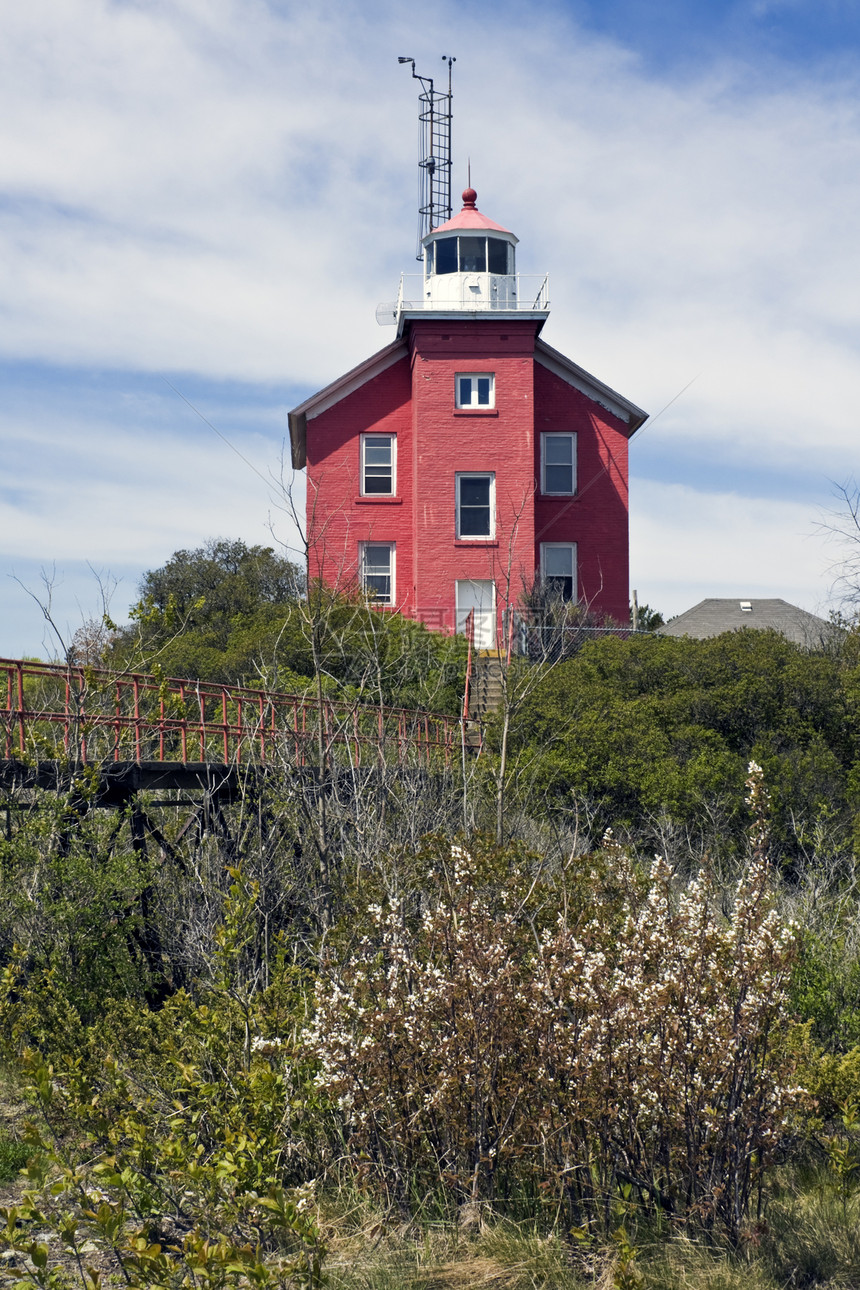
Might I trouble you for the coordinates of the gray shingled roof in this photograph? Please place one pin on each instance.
(713, 616)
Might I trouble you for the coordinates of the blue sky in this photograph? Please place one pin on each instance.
(211, 197)
(681, 35)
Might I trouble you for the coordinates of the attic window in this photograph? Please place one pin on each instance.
(746, 606)
(475, 390)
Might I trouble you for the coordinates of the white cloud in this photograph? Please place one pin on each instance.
(132, 496)
(225, 188)
(686, 544)
(228, 190)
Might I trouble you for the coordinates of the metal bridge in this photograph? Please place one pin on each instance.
(74, 738)
(142, 732)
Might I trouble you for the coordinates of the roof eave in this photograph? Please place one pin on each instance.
(334, 392)
(464, 222)
(298, 424)
(634, 417)
(407, 316)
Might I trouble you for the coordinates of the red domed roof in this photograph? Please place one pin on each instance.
(471, 217)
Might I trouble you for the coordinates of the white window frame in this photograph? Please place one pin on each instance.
(476, 474)
(364, 464)
(559, 546)
(474, 377)
(557, 434)
(363, 574)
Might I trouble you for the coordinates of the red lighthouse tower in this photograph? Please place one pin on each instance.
(468, 459)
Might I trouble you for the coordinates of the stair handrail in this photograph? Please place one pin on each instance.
(470, 640)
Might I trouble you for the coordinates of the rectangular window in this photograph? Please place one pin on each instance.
(476, 506)
(498, 255)
(473, 255)
(475, 390)
(445, 260)
(377, 571)
(558, 568)
(378, 461)
(558, 464)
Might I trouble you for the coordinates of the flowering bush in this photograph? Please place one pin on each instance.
(656, 1062)
(611, 1029)
(422, 1036)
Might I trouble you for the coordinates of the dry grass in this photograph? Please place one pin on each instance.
(812, 1240)
(813, 1236)
(685, 1265)
(370, 1251)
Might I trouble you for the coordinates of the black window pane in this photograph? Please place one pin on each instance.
(475, 507)
(559, 448)
(484, 391)
(473, 255)
(378, 455)
(475, 521)
(474, 492)
(559, 479)
(379, 586)
(446, 255)
(377, 572)
(498, 255)
(465, 397)
(558, 571)
(561, 587)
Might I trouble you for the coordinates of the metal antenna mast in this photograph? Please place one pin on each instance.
(434, 152)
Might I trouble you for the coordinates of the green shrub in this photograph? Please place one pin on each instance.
(174, 1142)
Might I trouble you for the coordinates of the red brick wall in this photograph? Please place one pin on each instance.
(338, 517)
(447, 440)
(415, 399)
(596, 519)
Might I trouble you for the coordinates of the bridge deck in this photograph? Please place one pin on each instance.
(119, 781)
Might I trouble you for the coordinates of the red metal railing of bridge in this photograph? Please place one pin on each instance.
(93, 715)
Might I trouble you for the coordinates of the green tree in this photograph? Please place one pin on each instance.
(212, 613)
(227, 612)
(212, 584)
(648, 619)
(665, 725)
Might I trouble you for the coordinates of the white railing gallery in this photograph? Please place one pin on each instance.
(509, 293)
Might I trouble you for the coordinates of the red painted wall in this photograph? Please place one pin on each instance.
(596, 519)
(447, 440)
(415, 399)
(338, 518)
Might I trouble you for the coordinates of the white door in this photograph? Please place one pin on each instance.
(503, 291)
(479, 598)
